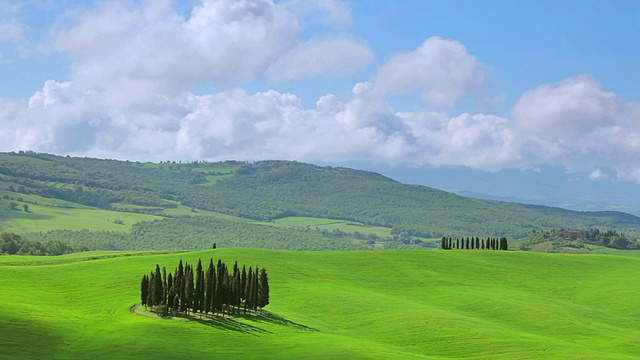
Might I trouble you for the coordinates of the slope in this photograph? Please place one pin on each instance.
(361, 305)
(269, 190)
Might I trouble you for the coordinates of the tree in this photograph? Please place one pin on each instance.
(188, 288)
(144, 290)
(208, 287)
(199, 292)
(158, 291)
(165, 289)
(25, 207)
(247, 290)
(263, 289)
(13, 205)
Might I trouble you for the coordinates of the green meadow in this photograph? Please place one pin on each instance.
(53, 214)
(353, 305)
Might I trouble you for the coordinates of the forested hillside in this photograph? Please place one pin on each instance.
(265, 191)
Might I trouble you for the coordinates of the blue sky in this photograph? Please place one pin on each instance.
(424, 91)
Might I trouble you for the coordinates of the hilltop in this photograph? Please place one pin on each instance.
(172, 205)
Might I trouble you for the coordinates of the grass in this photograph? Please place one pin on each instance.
(49, 216)
(361, 305)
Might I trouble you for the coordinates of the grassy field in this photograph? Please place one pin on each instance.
(355, 305)
(52, 214)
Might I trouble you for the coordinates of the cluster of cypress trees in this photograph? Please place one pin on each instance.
(215, 290)
(474, 243)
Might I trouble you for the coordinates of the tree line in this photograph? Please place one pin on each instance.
(476, 243)
(215, 290)
(14, 244)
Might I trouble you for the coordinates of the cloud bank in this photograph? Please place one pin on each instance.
(133, 69)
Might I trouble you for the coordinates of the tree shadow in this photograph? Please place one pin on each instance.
(232, 323)
(222, 323)
(265, 316)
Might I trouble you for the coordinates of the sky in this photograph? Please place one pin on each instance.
(529, 99)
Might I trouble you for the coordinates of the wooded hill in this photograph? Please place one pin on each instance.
(270, 190)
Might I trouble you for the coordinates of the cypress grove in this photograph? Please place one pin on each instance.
(474, 243)
(211, 291)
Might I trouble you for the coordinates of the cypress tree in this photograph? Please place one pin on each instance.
(144, 290)
(219, 287)
(165, 289)
(213, 288)
(247, 290)
(503, 243)
(151, 289)
(243, 282)
(197, 299)
(482, 244)
(263, 289)
(207, 287)
(477, 243)
(443, 243)
(457, 243)
(158, 291)
(255, 289)
(189, 288)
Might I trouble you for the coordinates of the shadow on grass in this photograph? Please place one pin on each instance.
(267, 317)
(229, 324)
(234, 323)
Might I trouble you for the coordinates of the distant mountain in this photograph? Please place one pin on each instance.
(269, 190)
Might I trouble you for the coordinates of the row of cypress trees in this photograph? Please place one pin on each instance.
(215, 290)
(472, 243)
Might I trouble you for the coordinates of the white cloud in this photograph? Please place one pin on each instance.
(598, 175)
(332, 57)
(579, 125)
(225, 42)
(565, 109)
(130, 96)
(440, 70)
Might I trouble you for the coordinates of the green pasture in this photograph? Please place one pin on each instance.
(327, 305)
(42, 217)
(177, 211)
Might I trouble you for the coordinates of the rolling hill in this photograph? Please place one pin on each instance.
(208, 201)
(359, 305)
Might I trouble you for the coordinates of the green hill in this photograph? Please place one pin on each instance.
(224, 202)
(356, 305)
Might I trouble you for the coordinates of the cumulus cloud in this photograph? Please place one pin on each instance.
(579, 125)
(224, 42)
(322, 56)
(440, 70)
(565, 109)
(134, 66)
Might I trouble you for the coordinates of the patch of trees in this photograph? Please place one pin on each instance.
(215, 290)
(198, 232)
(471, 243)
(14, 244)
(578, 238)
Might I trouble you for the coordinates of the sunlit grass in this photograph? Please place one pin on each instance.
(392, 304)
